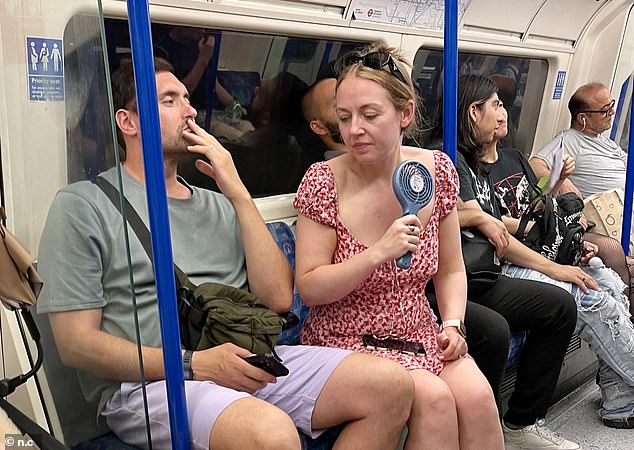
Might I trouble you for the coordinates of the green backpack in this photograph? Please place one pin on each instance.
(212, 314)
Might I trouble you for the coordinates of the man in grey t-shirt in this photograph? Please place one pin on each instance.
(230, 403)
(600, 163)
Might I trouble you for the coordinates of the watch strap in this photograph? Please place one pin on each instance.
(187, 365)
(455, 323)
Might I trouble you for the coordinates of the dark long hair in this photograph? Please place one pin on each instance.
(472, 89)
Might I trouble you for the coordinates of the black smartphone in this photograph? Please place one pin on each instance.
(269, 363)
(371, 342)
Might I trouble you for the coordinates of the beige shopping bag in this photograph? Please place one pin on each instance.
(605, 209)
(20, 284)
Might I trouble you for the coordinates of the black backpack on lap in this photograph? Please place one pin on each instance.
(556, 233)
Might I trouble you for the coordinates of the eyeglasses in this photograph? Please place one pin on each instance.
(374, 60)
(605, 112)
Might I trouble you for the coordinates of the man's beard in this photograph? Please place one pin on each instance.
(175, 146)
(333, 131)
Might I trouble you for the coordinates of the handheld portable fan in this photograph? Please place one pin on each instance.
(414, 188)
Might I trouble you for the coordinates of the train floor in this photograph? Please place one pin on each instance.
(576, 417)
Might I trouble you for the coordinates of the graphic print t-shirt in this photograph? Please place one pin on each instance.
(477, 187)
(512, 177)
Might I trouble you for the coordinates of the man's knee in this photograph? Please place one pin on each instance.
(281, 435)
(488, 332)
(253, 423)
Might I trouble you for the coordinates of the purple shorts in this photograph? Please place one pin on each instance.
(296, 394)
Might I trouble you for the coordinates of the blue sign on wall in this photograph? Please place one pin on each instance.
(45, 68)
(559, 84)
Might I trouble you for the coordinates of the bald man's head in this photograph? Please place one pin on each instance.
(591, 108)
(318, 106)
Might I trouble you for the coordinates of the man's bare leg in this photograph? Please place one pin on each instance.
(253, 423)
(372, 395)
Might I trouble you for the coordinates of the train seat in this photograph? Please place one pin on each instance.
(240, 83)
(81, 427)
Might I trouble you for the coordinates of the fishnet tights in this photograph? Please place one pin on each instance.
(612, 255)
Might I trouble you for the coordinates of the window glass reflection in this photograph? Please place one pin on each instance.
(510, 74)
(250, 99)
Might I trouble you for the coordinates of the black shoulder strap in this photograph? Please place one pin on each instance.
(41, 437)
(537, 195)
(130, 214)
(138, 227)
(528, 215)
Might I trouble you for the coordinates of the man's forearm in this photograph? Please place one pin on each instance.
(539, 166)
(112, 357)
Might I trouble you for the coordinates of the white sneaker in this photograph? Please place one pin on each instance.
(536, 437)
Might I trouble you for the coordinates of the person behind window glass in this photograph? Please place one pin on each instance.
(218, 238)
(507, 91)
(318, 107)
(269, 156)
(190, 51)
(349, 233)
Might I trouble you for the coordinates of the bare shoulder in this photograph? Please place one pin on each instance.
(340, 165)
(419, 154)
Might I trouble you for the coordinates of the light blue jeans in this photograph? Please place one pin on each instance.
(602, 321)
(617, 397)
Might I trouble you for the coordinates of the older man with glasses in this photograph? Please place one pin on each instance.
(600, 163)
(600, 166)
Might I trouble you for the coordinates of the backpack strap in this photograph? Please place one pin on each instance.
(536, 195)
(137, 225)
(129, 213)
(528, 215)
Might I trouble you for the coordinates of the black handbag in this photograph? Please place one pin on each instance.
(481, 262)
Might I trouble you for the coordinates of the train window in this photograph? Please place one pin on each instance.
(249, 99)
(514, 76)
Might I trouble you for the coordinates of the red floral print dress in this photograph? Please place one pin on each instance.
(391, 302)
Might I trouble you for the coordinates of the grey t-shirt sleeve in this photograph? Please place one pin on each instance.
(546, 154)
(70, 256)
(623, 155)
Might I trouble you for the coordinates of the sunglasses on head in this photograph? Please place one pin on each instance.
(374, 60)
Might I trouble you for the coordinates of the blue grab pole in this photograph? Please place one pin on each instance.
(629, 187)
(145, 83)
(450, 80)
